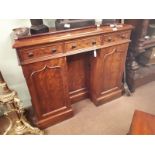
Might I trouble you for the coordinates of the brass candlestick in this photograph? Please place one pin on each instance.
(14, 112)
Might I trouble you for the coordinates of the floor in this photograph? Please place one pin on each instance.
(112, 118)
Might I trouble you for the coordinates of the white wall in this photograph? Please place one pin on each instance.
(9, 67)
(49, 22)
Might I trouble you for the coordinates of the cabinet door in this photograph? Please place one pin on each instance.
(107, 70)
(48, 86)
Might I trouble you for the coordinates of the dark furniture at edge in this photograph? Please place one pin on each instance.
(137, 73)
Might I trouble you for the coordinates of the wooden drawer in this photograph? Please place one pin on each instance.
(92, 41)
(40, 51)
(116, 36)
(82, 43)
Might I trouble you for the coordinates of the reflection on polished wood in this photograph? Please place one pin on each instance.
(65, 67)
(142, 124)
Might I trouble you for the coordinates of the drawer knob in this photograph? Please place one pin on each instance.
(73, 46)
(123, 36)
(30, 54)
(94, 43)
(109, 39)
(54, 50)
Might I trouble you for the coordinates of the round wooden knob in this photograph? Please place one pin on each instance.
(109, 39)
(94, 43)
(73, 46)
(30, 54)
(54, 50)
(123, 36)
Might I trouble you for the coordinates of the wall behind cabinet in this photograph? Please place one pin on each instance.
(9, 67)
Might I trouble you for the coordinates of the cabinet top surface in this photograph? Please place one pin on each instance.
(66, 35)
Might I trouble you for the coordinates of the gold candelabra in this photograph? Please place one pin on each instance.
(13, 111)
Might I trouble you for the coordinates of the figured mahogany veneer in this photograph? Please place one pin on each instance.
(46, 50)
(60, 69)
(82, 43)
(106, 73)
(114, 37)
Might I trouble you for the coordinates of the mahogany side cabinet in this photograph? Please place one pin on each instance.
(64, 67)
